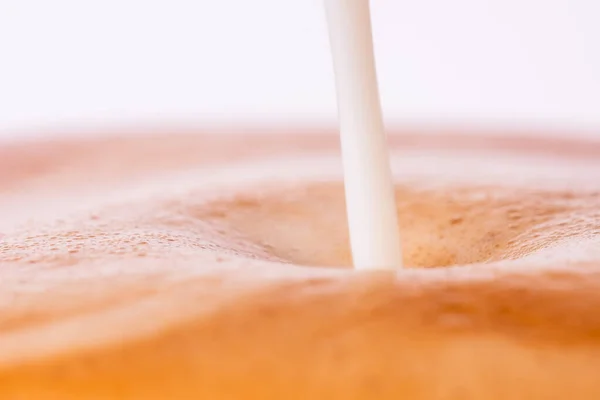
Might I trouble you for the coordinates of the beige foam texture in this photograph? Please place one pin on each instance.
(205, 267)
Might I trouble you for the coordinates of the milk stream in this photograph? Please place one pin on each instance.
(372, 215)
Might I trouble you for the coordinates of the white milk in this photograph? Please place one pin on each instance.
(372, 217)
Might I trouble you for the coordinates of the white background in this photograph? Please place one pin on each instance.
(81, 63)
